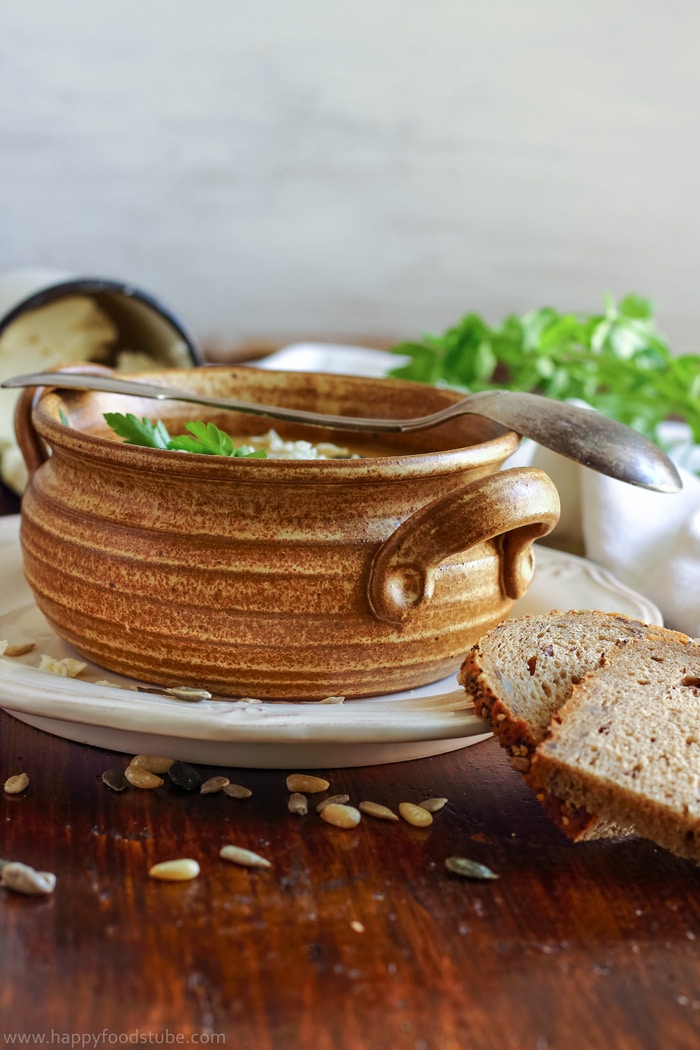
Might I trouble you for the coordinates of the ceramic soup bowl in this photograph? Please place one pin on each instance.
(274, 578)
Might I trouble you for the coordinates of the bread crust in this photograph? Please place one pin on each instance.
(561, 648)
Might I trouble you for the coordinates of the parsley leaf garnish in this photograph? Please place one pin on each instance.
(618, 361)
(203, 438)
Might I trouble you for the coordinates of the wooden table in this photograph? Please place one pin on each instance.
(353, 939)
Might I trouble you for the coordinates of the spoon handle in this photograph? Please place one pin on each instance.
(156, 391)
(580, 434)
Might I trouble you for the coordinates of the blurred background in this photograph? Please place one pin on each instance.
(365, 172)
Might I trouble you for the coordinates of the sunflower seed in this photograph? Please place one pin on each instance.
(357, 926)
(115, 780)
(213, 785)
(374, 809)
(469, 869)
(341, 816)
(175, 870)
(245, 857)
(331, 801)
(185, 776)
(433, 805)
(305, 782)
(139, 777)
(415, 815)
(237, 791)
(16, 784)
(298, 804)
(19, 650)
(23, 879)
(153, 763)
(188, 692)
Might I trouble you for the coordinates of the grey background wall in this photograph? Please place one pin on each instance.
(307, 168)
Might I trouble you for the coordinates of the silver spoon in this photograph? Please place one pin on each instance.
(580, 434)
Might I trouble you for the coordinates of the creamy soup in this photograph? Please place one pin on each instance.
(277, 448)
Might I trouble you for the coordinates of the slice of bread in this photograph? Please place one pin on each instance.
(522, 673)
(626, 745)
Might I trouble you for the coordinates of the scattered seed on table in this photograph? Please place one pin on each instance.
(341, 816)
(375, 809)
(213, 785)
(469, 869)
(298, 804)
(188, 692)
(415, 815)
(332, 800)
(139, 777)
(308, 784)
(153, 763)
(23, 879)
(433, 805)
(332, 700)
(16, 784)
(245, 857)
(237, 791)
(19, 650)
(180, 870)
(357, 926)
(115, 780)
(185, 776)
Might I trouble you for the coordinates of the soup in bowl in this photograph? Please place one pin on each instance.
(368, 571)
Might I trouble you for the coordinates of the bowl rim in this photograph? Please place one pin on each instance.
(47, 421)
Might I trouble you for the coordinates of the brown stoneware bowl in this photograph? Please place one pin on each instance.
(295, 579)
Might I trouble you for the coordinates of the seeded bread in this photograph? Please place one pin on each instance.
(522, 673)
(626, 745)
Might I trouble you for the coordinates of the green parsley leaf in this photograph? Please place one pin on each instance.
(618, 361)
(208, 439)
(138, 431)
(203, 438)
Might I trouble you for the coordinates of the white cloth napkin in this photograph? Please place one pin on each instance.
(650, 541)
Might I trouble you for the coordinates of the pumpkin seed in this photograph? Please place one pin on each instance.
(469, 869)
(341, 816)
(415, 815)
(298, 804)
(374, 809)
(237, 791)
(153, 763)
(139, 777)
(180, 870)
(185, 776)
(115, 780)
(308, 784)
(245, 857)
(16, 784)
(23, 879)
(332, 800)
(19, 650)
(188, 692)
(433, 805)
(213, 785)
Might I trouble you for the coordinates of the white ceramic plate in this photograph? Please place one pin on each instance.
(396, 727)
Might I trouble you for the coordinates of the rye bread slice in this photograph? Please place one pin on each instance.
(626, 745)
(522, 673)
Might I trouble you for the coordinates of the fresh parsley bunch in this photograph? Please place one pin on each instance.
(618, 361)
(204, 438)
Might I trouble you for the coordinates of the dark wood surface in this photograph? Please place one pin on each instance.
(353, 939)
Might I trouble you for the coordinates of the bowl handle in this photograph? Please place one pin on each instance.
(33, 449)
(514, 506)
